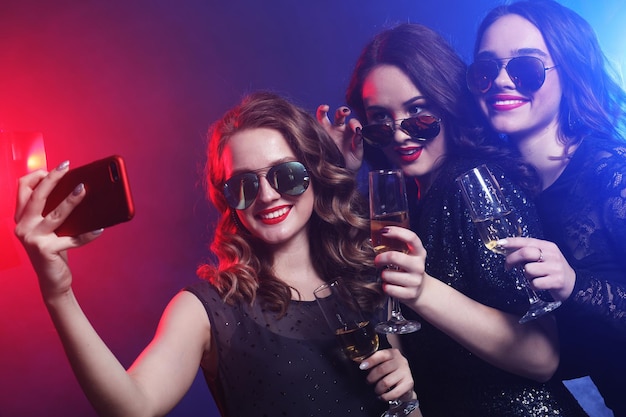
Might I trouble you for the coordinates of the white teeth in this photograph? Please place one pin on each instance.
(407, 151)
(275, 214)
(508, 102)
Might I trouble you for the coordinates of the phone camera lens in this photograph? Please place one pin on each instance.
(115, 174)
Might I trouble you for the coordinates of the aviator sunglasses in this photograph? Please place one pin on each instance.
(528, 73)
(421, 128)
(289, 178)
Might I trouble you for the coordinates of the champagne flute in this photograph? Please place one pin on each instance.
(389, 207)
(495, 220)
(356, 335)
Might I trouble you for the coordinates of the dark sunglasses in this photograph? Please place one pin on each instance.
(528, 73)
(290, 178)
(421, 128)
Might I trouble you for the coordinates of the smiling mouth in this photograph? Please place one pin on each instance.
(506, 103)
(275, 213)
(409, 154)
(408, 151)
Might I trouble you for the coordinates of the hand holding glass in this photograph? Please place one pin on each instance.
(495, 220)
(389, 207)
(355, 334)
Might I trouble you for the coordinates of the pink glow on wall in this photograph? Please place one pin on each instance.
(20, 153)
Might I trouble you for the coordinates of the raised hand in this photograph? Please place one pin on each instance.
(345, 132)
(405, 281)
(46, 250)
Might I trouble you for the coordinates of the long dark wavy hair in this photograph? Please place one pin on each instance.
(438, 72)
(338, 228)
(593, 103)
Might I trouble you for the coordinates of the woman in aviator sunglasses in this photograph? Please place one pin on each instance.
(541, 78)
(288, 223)
(472, 357)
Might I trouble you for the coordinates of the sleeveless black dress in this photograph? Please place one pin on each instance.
(287, 367)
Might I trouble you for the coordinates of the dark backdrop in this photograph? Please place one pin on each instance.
(145, 79)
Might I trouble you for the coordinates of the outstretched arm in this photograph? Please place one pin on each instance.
(530, 350)
(162, 373)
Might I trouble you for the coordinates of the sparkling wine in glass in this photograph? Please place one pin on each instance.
(389, 207)
(356, 335)
(379, 241)
(495, 220)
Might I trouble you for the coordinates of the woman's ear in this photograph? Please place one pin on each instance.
(238, 224)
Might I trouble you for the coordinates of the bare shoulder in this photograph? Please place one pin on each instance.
(186, 319)
(186, 305)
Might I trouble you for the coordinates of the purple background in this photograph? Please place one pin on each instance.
(145, 79)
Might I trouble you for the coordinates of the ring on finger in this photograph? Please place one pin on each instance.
(540, 259)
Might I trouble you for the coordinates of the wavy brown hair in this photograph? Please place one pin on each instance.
(338, 228)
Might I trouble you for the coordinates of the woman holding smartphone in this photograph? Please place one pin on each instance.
(252, 324)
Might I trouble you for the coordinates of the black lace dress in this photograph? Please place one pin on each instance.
(287, 367)
(450, 380)
(584, 213)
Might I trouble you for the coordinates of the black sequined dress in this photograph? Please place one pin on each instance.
(287, 367)
(450, 380)
(584, 213)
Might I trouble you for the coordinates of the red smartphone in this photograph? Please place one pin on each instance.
(108, 200)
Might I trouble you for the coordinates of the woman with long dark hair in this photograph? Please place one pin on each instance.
(472, 356)
(543, 82)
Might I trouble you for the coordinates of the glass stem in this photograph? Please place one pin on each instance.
(396, 313)
(522, 282)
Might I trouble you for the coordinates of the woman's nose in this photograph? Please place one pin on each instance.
(267, 193)
(399, 135)
(503, 80)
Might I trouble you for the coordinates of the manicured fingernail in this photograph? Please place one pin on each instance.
(78, 189)
(345, 110)
(384, 230)
(358, 137)
(364, 365)
(63, 165)
(502, 242)
(97, 232)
